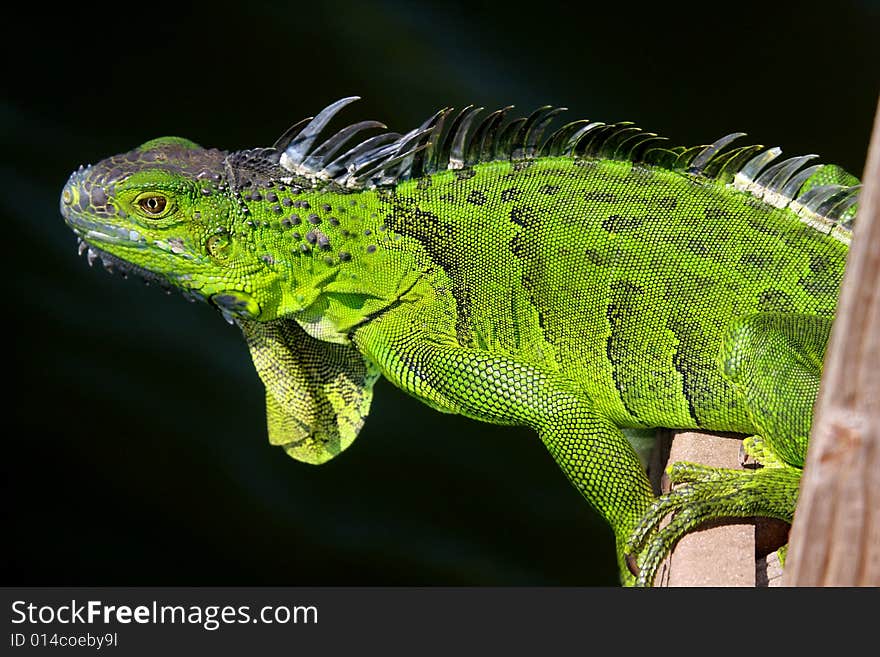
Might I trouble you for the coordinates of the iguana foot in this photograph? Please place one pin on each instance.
(709, 494)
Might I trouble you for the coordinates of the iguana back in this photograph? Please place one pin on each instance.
(607, 270)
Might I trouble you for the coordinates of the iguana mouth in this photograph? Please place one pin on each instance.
(113, 264)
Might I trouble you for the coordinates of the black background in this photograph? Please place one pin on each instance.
(134, 442)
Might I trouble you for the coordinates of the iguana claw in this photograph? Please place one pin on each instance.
(710, 494)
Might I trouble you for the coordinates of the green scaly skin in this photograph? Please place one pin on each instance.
(579, 296)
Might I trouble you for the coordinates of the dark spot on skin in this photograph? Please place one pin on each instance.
(819, 263)
(269, 260)
(314, 219)
(311, 237)
(594, 257)
(276, 209)
(510, 194)
(326, 207)
(272, 197)
(296, 236)
(368, 232)
(286, 202)
(716, 214)
(333, 221)
(549, 189)
(600, 197)
(756, 260)
(285, 223)
(371, 248)
(772, 300)
(522, 215)
(295, 220)
(328, 260)
(256, 196)
(465, 174)
(304, 248)
(476, 197)
(344, 256)
(698, 245)
(617, 223)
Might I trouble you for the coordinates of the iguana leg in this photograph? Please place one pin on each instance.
(591, 450)
(775, 363)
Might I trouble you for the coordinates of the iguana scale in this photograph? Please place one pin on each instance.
(586, 283)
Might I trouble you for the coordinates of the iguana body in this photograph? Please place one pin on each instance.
(590, 283)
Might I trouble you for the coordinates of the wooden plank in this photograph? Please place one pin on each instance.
(835, 538)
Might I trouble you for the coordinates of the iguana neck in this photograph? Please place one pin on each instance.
(325, 249)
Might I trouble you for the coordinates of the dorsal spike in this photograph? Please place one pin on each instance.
(553, 145)
(703, 158)
(284, 140)
(299, 147)
(387, 152)
(485, 133)
(776, 175)
(536, 132)
(615, 138)
(444, 148)
(422, 145)
(753, 167)
(843, 212)
(573, 143)
(341, 163)
(725, 165)
(459, 139)
(817, 196)
(332, 145)
(362, 177)
(424, 159)
(793, 186)
(661, 157)
(832, 201)
(503, 146)
(629, 148)
(594, 141)
(520, 139)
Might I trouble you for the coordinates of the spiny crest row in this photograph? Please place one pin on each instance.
(389, 157)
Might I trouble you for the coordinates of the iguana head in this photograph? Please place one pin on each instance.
(167, 211)
(206, 222)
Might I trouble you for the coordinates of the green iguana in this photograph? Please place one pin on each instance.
(585, 283)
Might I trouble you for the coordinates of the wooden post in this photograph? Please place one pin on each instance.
(835, 538)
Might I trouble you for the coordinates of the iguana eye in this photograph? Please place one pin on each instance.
(153, 205)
